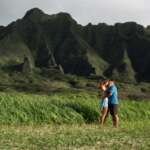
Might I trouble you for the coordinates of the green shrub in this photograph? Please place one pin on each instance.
(65, 107)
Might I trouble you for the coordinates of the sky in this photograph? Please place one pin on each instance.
(83, 11)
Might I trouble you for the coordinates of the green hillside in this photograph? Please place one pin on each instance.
(54, 41)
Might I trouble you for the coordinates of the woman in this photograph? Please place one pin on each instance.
(103, 102)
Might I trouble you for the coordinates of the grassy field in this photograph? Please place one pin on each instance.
(69, 120)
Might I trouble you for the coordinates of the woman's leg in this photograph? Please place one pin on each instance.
(107, 114)
(103, 115)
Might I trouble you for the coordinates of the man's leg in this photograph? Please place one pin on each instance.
(115, 120)
(115, 117)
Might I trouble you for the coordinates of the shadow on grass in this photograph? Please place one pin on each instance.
(89, 114)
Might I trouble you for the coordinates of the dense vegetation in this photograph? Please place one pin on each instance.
(63, 107)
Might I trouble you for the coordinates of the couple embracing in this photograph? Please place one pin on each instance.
(109, 102)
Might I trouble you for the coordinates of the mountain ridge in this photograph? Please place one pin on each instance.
(51, 40)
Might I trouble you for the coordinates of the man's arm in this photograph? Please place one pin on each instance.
(108, 93)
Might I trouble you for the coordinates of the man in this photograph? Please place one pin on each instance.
(113, 102)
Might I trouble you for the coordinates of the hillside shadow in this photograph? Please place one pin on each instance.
(89, 114)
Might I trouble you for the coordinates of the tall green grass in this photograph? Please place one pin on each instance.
(64, 107)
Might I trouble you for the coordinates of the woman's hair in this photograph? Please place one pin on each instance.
(102, 83)
(105, 82)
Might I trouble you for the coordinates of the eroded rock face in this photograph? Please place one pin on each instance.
(121, 51)
(26, 66)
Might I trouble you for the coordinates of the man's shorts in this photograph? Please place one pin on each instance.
(113, 108)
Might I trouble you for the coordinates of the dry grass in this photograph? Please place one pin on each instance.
(127, 136)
